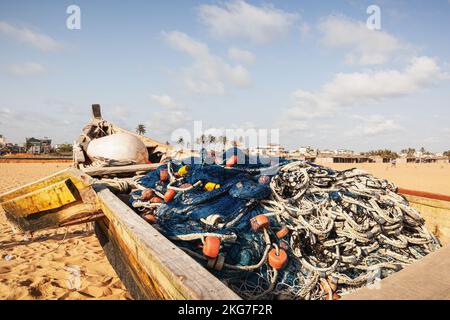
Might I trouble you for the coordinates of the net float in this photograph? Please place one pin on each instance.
(150, 218)
(183, 170)
(283, 245)
(209, 186)
(211, 247)
(147, 194)
(156, 200)
(163, 174)
(231, 161)
(259, 222)
(283, 232)
(277, 261)
(169, 195)
(264, 180)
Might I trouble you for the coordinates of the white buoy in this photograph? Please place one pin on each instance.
(118, 147)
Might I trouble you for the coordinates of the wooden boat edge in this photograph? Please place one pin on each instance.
(169, 273)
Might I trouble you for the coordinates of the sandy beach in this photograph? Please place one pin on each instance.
(55, 264)
(431, 177)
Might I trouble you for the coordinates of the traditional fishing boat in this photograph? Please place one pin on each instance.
(149, 264)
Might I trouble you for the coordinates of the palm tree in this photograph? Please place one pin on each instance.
(409, 151)
(211, 139)
(140, 129)
(202, 140)
(223, 140)
(180, 141)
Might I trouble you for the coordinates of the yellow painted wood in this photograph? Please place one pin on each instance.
(62, 198)
(80, 180)
(436, 214)
(54, 196)
(438, 204)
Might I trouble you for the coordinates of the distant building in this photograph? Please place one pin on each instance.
(304, 153)
(342, 158)
(429, 158)
(380, 159)
(38, 146)
(271, 150)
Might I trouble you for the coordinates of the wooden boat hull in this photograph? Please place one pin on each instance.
(434, 208)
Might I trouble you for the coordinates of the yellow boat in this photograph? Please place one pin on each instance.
(151, 266)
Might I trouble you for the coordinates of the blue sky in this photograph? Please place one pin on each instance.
(312, 69)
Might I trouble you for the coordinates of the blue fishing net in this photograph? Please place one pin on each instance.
(242, 192)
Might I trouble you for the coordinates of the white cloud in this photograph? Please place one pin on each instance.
(165, 101)
(374, 125)
(38, 40)
(26, 69)
(172, 117)
(359, 88)
(209, 73)
(367, 47)
(305, 30)
(5, 115)
(239, 19)
(242, 56)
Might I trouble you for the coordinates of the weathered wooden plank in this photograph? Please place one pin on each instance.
(81, 181)
(96, 112)
(104, 171)
(439, 204)
(133, 276)
(426, 279)
(52, 197)
(59, 199)
(55, 218)
(78, 154)
(176, 274)
(435, 211)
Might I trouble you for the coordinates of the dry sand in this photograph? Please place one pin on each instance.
(433, 178)
(55, 265)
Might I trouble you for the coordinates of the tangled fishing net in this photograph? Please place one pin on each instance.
(293, 230)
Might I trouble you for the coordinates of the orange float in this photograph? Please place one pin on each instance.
(231, 161)
(277, 261)
(169, 195)
(283, 232)
(163, 174)
(156, 200)
(147, 194)
(211, 247)
(259, 222)
(150, 218)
